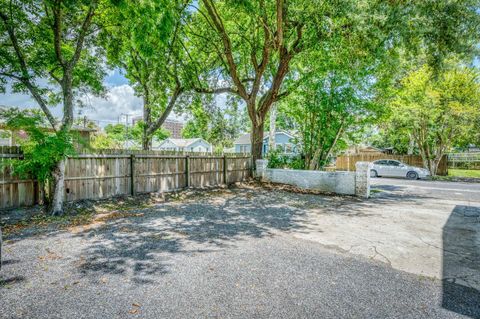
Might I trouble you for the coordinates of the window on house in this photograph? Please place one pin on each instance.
(288, 148)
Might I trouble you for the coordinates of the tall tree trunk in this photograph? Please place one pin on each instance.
(58, 188)
(313, 165)
(257, 140)
(58, 196)
(273, 120)
(147, 122)
(67, 89)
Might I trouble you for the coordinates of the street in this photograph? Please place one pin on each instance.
(433, 189)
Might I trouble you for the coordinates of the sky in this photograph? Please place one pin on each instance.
(119, 100)
(111, 109)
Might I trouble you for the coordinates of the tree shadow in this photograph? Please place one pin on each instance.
(143, 246)
(461, 261)
(10, 281)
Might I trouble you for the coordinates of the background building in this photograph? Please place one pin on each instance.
(173, 126)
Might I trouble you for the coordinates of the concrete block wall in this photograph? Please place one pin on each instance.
(346, 183)
(362, 179)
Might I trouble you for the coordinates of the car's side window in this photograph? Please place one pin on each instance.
(393, 163)
(381, 162)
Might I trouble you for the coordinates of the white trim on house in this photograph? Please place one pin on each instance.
(187, 145)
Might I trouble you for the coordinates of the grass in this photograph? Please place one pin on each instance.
(470, 173)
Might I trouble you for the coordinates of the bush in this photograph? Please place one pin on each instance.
(279, 160)
(41, 149)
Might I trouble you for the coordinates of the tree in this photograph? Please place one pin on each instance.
(219, 125)
(253, 43)
(120, 133)
(325, 108)
(41, 149)
(439, 110)
(253, 46)
(52, 42)
(146, 40)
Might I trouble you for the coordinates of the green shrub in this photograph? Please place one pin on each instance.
(42, 149)
(279, 160)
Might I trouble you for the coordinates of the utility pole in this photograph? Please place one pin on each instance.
(126, 129)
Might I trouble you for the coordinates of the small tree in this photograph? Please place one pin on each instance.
(48, 49)
(41, 149)
(439, 110)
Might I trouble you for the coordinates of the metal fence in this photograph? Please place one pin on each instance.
(464, 160)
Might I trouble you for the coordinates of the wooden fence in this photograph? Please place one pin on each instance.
(347, 162)
(15, 191)
(108, 174)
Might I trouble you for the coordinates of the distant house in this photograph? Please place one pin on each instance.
(185, 145)
(13, 138)
(284, 142)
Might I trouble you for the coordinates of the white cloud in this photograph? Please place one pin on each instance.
(119, 100)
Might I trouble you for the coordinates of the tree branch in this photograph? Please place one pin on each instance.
(25, 78)
(216, 91)
(212, 12)
(82, 33)
(158, 123)
(57, 29)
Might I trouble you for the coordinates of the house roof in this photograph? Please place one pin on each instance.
(245, 138)
(77, 128)
(182, 142)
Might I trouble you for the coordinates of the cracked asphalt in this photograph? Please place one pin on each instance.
(255, 253)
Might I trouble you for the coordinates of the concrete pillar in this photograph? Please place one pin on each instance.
(261, 167)
(362, 179)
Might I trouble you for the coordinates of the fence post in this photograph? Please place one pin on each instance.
(225, 168)
(132, 175)
(187, 170)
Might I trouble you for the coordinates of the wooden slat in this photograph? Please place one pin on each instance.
(107, 173)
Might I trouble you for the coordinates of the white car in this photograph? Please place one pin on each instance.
(393, 168)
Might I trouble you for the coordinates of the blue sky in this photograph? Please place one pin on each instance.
(119, 100)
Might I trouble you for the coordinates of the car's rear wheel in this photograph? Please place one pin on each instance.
(412, 175)
(373, 173)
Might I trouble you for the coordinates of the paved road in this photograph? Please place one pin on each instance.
(431, 189)
(233, 254)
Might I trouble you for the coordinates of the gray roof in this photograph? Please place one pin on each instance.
(183, 142)
(245, 138)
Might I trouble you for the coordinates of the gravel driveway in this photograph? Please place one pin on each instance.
(239, 253)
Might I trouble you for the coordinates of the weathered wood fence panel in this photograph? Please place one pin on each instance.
(347, 162)
(154, 174)
(108, 174)
(97, 176)
(15, 191)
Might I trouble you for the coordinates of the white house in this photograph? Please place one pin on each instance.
(284, 142)
(185, 145)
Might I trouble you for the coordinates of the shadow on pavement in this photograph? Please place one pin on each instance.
(144, 246)
(461, 261)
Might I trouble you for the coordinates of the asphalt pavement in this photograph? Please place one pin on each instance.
(231, 254)
(431, 189)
